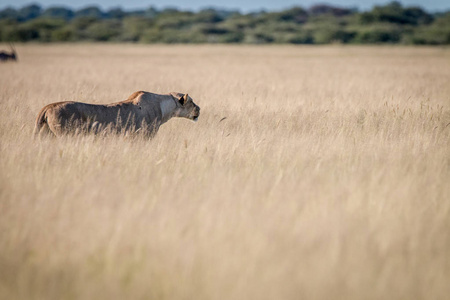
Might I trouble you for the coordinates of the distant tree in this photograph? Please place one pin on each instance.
(377, 34)
(58, 12)
(151, 12)
(103, 31)
(79, 28)
(174, 19)
(9, 13)
(151, 35)
(115, 13)
(323, 9)
(417, 16)
(260, 37)
(45, 27)
(295, 14)
(64, 34)
(21, 33)
(212, 29)
(208, 16)
(133, 28)
(29, 12)
(395, 13)
(170, 11)
(326, 35)
(437, 33)
(232, 37)
(90, 11)
(320, 24)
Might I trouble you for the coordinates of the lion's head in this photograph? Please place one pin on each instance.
(186, 108)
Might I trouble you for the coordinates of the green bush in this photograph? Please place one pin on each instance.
(65, 34)
(104, 30)
(301, 37)
(133, 28)
(377, 35)
(432, 35)
(320, 24)
(59, 13)
(326, 35)
(232, 37)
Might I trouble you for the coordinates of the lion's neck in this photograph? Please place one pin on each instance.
(168, 107)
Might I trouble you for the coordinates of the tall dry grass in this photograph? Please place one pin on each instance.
(328, 179)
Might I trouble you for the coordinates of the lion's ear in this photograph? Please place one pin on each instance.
(183, 99)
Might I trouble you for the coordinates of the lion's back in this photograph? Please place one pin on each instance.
(138, 109)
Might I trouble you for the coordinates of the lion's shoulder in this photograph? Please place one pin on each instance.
(135, 95)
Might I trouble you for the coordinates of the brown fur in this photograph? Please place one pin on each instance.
(142, 111)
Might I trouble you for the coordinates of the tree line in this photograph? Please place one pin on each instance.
(319, 24)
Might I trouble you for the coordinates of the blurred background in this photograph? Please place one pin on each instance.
(249, 22)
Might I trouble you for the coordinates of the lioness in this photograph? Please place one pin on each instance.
(142, 111)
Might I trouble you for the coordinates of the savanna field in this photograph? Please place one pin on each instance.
(312, 173)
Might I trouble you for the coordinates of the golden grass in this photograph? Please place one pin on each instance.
(328, 179)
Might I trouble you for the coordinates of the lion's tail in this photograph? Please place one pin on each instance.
(41, 122)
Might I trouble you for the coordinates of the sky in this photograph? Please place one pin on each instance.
(241, 5)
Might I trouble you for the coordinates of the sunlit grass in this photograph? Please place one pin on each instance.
(313, 173)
